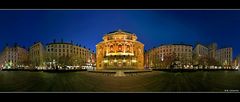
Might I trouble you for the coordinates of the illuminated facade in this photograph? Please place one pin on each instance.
(201, 51)
(13, 57)
(62, 53)
(168, 53)
(37, 54)
(120, 50)
(224, 56)
(212, 50)
(236, 61)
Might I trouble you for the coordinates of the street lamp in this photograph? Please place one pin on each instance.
(124, 60)
(54, 63)
(115, 60)
(75, 64)
(162, 57)
(105, 61)
(134, 61)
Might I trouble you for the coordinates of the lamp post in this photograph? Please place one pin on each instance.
(75, 64)
(54, 63)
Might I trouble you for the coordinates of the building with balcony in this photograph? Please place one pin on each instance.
(201, 50)
(167, 54)
(37, 55)
(212, 48)
(68, 54)
(224, 56)
(13, 57)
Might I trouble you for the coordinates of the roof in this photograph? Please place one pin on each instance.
(176, 44)
(59, 43)
(119, 30)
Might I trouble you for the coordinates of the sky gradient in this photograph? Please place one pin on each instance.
(152, 27)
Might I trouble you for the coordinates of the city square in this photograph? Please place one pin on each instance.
(117, 51)
(157, 81)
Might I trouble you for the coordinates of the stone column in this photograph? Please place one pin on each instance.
(124, 47)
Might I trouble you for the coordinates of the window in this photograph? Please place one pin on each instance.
(111, 48)
(128, 48)
(63, 50)
(119, 48)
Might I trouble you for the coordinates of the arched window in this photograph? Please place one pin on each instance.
(111, 48)
(119, 48)
(128, 48)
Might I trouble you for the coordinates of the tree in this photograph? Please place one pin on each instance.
(195, 59)
(167, 61)
(63, 60)
(212, 61)
(156, 61)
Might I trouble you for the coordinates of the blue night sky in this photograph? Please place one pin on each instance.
(153, 27)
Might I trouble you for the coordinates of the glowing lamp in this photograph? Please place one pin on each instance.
(134, 61)
(105, 61)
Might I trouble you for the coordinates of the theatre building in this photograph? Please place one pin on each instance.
(120, 50)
